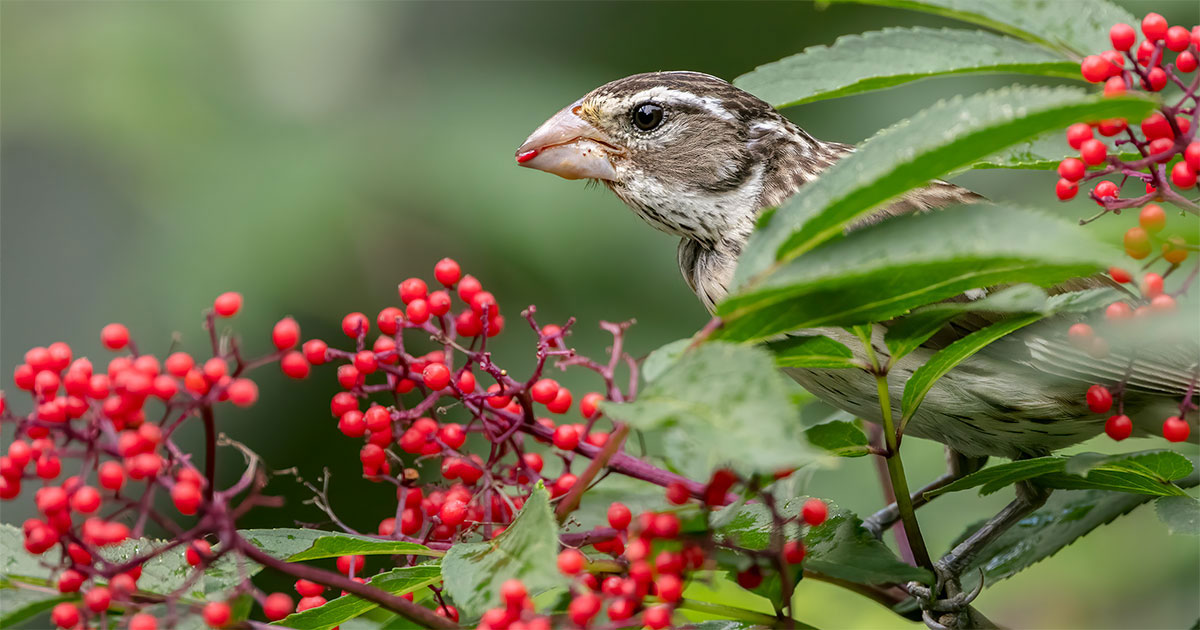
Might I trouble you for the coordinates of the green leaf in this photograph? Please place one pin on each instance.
(883, 271)
(1044, 152)
(663, 358)
(15, 561)
(18, 604)
(721, 405)
(893, 56)
(936, 141)
(296, 545)
(996, 477)
(336, 611)
(944, 360)
(811, 351)
(839, 437)
(908, 333)
(1180, 514)
(1159, 464)
(527, 550)
(1079, 27)
(840, 547)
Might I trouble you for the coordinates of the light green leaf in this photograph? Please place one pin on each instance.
(839, 437)
(527, 550)
(1180, 514)
(15, 561)
(936, 141)
(811, 351)
(1044, 152)
(944, 360)
(296, 545)
(893, 56)
(883, 271)
(840, 547)
(337, 611)
(18, 604)
(1079, 26)
(720, 405)
(663, 358)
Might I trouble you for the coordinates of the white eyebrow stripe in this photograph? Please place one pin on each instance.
(664, 94)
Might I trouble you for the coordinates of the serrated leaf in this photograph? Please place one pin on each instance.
(1066, 516)
(1044, 152)
(1159, 464)
(527, 550)
(934, 142)
(811, 351)
(944, 360)
(996, 477)
(18, 604)
(883, 271)
(1180, 514)
(1139, 473)
(296, 545)
(337, 611)
(894, 56)
(839, 437)
(840, 547)
(1079, 27)
(701, 409)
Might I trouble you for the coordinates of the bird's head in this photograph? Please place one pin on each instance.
(687, 151)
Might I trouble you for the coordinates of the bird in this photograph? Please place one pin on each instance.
(700, 159)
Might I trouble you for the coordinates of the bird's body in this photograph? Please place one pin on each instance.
(700, 159)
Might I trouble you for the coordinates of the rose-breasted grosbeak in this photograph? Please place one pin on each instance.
(698, 158)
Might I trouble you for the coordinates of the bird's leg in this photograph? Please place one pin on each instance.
(1029, 498)
(957, 467)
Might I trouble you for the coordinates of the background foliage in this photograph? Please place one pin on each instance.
(312, 155)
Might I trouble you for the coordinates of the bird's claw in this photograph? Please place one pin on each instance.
(930, 600)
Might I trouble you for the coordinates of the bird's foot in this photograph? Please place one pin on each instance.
(943, 605)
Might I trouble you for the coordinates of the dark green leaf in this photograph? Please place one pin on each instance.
(1079, 27)
(18, 604)
(527, 550)
(336, 611)
(944, 360)
(1160, 464)
(908, 333)
(893, 56)
(811, 351)
(839, 437)
(295, 545)
(1108, 479)
(883, 271)
(1066, 516)
(996, 477)
(702, 408)
(936, 141)
(1181, 514)
(1045, 152)
(840, 547)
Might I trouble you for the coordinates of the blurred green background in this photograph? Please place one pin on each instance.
(313, 154)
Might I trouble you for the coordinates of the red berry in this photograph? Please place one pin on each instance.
(1077, 134)
(343, 402)
(351, 564)
(1093, 151)
(1152, 218)
(447, 271)
(589, 406)
(814, 512)
(286, 333)
(217, 614)
(439, 303)
(314, 351)
(544, 390)
(412, 289)
(657, 617)
(417, 311)
(1176, 429)
(1178, 38)
(1156, 126)
(793, 551)
(114, 336)
(1106, 189)
(1099, 399)
(228, 304)
(1111, 126)
(452, 435)
(561, 403)
(111, 475)
(186, 496)
(1119, 427)
(1154, 27)
(307, 588)
(1191, 155)
(570, 561)
(85, 500)
(1123, 36)
(677, 493)
(449, 612)
(436, 376)
(65, 615)
(1152, 285)
(97, 599)
(277, 606)
(1066, 189)
(466, 382)
(354, 324)
(619, 516)
(1094, 68)
(197, 551)
(1156, 80)
(294, 365)
(1118, 311)
(1137, 243)
(566, 437)
(70, 581)
(1186, 61)
(243, 392)
(750, 578)
(468, 286)
(143, 621)
(1182, 175)
(583, 608)
(453, 513)
(366, 362)
(1072, 169)
(513, 594)
(1081, 335)
(1145, 52)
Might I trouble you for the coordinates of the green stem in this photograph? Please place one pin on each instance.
(741, 614)
(895, 465)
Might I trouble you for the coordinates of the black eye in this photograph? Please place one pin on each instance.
(647, 116)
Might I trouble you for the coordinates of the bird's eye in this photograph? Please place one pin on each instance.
(647, 116)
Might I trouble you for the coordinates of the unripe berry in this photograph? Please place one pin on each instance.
(228, 304)
(1123, 36)
(1152, 218)
(1175, 250)
(1137, 243)
(1176, 429)
(1119, 427)
(1099, 399)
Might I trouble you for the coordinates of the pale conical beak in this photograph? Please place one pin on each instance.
(570, 147)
